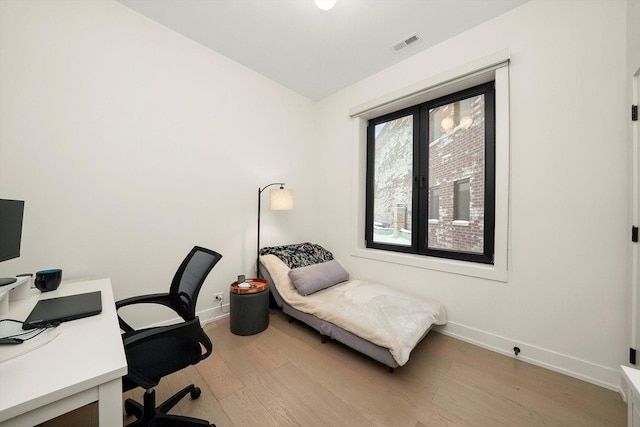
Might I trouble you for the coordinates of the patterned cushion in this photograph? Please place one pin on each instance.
(299, 254)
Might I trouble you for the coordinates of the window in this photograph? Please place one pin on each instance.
(461, 200)
(431, 178)
(434, 204)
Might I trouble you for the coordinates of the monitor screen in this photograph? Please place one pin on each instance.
(11, 212)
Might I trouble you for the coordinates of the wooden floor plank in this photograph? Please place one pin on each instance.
(535, 404)
(204, 407)
(382, 406)
(245, 409)
(287, 408)
(220, 379)
(322, 401)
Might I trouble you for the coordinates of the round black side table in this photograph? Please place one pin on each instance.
(249, 307)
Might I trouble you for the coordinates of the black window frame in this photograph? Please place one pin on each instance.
(420, 185)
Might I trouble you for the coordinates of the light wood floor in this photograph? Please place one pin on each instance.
(285, 376)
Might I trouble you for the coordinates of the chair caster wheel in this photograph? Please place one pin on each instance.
(196, 393)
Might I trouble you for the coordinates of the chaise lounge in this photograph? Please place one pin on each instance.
(384, 323)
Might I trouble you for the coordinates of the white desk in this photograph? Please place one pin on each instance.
(84, 363)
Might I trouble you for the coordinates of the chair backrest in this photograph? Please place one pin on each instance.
(189, 278)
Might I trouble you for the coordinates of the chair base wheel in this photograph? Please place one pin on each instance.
(195, 393)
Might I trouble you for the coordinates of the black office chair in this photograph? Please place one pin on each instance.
(156, 352)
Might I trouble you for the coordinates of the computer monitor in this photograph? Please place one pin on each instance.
(11, 213)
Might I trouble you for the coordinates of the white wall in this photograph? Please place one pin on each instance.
(564, 302)
(130, 144)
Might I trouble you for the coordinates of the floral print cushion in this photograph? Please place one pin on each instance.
(299, 254)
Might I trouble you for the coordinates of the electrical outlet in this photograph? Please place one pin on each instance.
(218, 297)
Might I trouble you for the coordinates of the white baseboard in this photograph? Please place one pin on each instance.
(214, 313)
(206, 316)
(577, 368)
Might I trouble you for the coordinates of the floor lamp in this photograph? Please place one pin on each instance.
(279, 200)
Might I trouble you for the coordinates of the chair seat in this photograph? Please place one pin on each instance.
(159, 358)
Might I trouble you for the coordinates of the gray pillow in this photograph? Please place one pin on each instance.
(316, 277)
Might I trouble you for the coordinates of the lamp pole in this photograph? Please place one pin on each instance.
(260, 190)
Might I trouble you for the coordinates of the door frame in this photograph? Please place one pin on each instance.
(635, 214)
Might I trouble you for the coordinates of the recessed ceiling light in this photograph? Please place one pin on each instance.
(325, 4)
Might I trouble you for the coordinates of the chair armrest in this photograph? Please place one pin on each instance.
(162, 299)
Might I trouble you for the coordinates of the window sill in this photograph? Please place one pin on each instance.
(434, 221)
(495, 272)
(460, 223)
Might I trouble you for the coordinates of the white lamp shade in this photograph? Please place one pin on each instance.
(281, 199)
(466, 122)
(447, 124)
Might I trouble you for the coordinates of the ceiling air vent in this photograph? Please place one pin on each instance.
(406, 42)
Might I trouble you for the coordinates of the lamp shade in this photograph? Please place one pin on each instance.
(281, 199)
(447, 124)
(466, 122)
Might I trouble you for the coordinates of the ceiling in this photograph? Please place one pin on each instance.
(313, 52)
